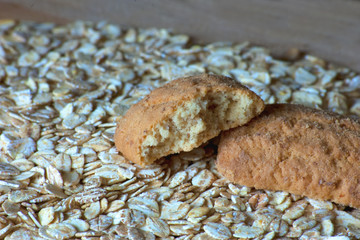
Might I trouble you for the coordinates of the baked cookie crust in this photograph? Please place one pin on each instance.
(297, 149)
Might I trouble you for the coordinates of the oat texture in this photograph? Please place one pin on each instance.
(62, 88)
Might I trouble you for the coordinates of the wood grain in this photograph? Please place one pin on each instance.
(326, 28)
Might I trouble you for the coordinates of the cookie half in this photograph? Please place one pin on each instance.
(182, 115)
(296, 149)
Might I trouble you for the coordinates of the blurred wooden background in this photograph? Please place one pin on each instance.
(326, 28)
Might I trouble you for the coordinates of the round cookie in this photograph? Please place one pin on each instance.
(297, 149)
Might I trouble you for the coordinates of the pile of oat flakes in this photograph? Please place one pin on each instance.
(62, 89)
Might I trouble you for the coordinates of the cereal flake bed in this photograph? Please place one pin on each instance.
(61, 90)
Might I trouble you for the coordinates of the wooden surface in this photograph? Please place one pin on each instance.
(326, 28)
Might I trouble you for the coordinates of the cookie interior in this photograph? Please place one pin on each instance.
(196, 121)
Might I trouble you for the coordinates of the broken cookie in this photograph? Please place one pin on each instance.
(182, 115)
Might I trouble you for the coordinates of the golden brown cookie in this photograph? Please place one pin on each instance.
(296, 149)
(182, 115)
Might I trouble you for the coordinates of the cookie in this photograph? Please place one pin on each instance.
(182, 115)
(297, 149)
